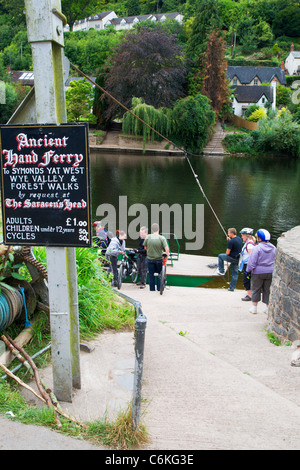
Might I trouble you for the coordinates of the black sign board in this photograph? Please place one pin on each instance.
(45, 185)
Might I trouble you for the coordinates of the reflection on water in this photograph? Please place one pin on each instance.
(253, 192)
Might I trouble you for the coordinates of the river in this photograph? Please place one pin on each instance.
(244, 192)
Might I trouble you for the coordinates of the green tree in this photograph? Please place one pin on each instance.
(206, 19)
(14, 94)
(287, 21)
(79, 9)
(193, 121)
(79, 100)
(263, 34)
(133, 7)
(90, 49)
(230, 12)
(283, 95)
(14, 9)
(100, 104)
(18, 53)
(156, 118)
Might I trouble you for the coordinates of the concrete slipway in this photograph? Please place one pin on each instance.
(212, 379)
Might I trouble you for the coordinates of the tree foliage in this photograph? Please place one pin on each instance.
(158, 119)
(14, 94)
(79, 100)
(193, 120)
(287, 22)
(215, 85)
(147, 64)
(80, 9)
(89, 50)
(206, 19)
(281, 134)
(257, 114)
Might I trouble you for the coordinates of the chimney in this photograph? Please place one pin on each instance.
(282, 65)
(8, 68)
(292, 47)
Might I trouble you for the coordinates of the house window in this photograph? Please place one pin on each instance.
(263, 100)
(256, 81)
(235, 81)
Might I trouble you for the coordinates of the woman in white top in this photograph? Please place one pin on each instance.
(249, 243)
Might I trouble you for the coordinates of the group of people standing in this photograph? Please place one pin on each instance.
(254, 257)
(150, 249)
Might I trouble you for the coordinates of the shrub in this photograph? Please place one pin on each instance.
(239, 143)
(257, 115)
(250, 110)
(279, 135)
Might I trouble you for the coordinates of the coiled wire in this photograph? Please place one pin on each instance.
(11, 306)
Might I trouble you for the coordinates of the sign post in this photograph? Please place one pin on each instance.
(45, 33)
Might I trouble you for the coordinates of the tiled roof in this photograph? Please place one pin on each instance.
(247, 74)
(252, 94)
(98, 16)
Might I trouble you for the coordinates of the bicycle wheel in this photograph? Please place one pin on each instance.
(120, 275)
(163, 278)
(134, 272)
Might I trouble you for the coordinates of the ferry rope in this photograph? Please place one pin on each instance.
(162, 136)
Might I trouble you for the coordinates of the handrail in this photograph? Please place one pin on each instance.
(140, 327)
(173, 256)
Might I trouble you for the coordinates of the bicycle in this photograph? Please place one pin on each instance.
(163, 274)
(128, 267)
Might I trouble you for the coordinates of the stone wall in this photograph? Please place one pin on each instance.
(284, 306)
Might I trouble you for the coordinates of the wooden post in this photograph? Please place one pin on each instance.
(45, 33)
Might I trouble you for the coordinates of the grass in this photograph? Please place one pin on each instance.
(117, 435)
(275, 340)
(99, 309)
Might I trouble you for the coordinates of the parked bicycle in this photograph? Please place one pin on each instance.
(128, 267)
(163, 274)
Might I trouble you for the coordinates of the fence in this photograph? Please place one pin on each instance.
(240, 122)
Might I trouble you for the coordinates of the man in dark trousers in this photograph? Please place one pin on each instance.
(234, 248)
(155, 245)
(142, 261)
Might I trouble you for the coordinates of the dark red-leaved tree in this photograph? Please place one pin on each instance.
(147, 64)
